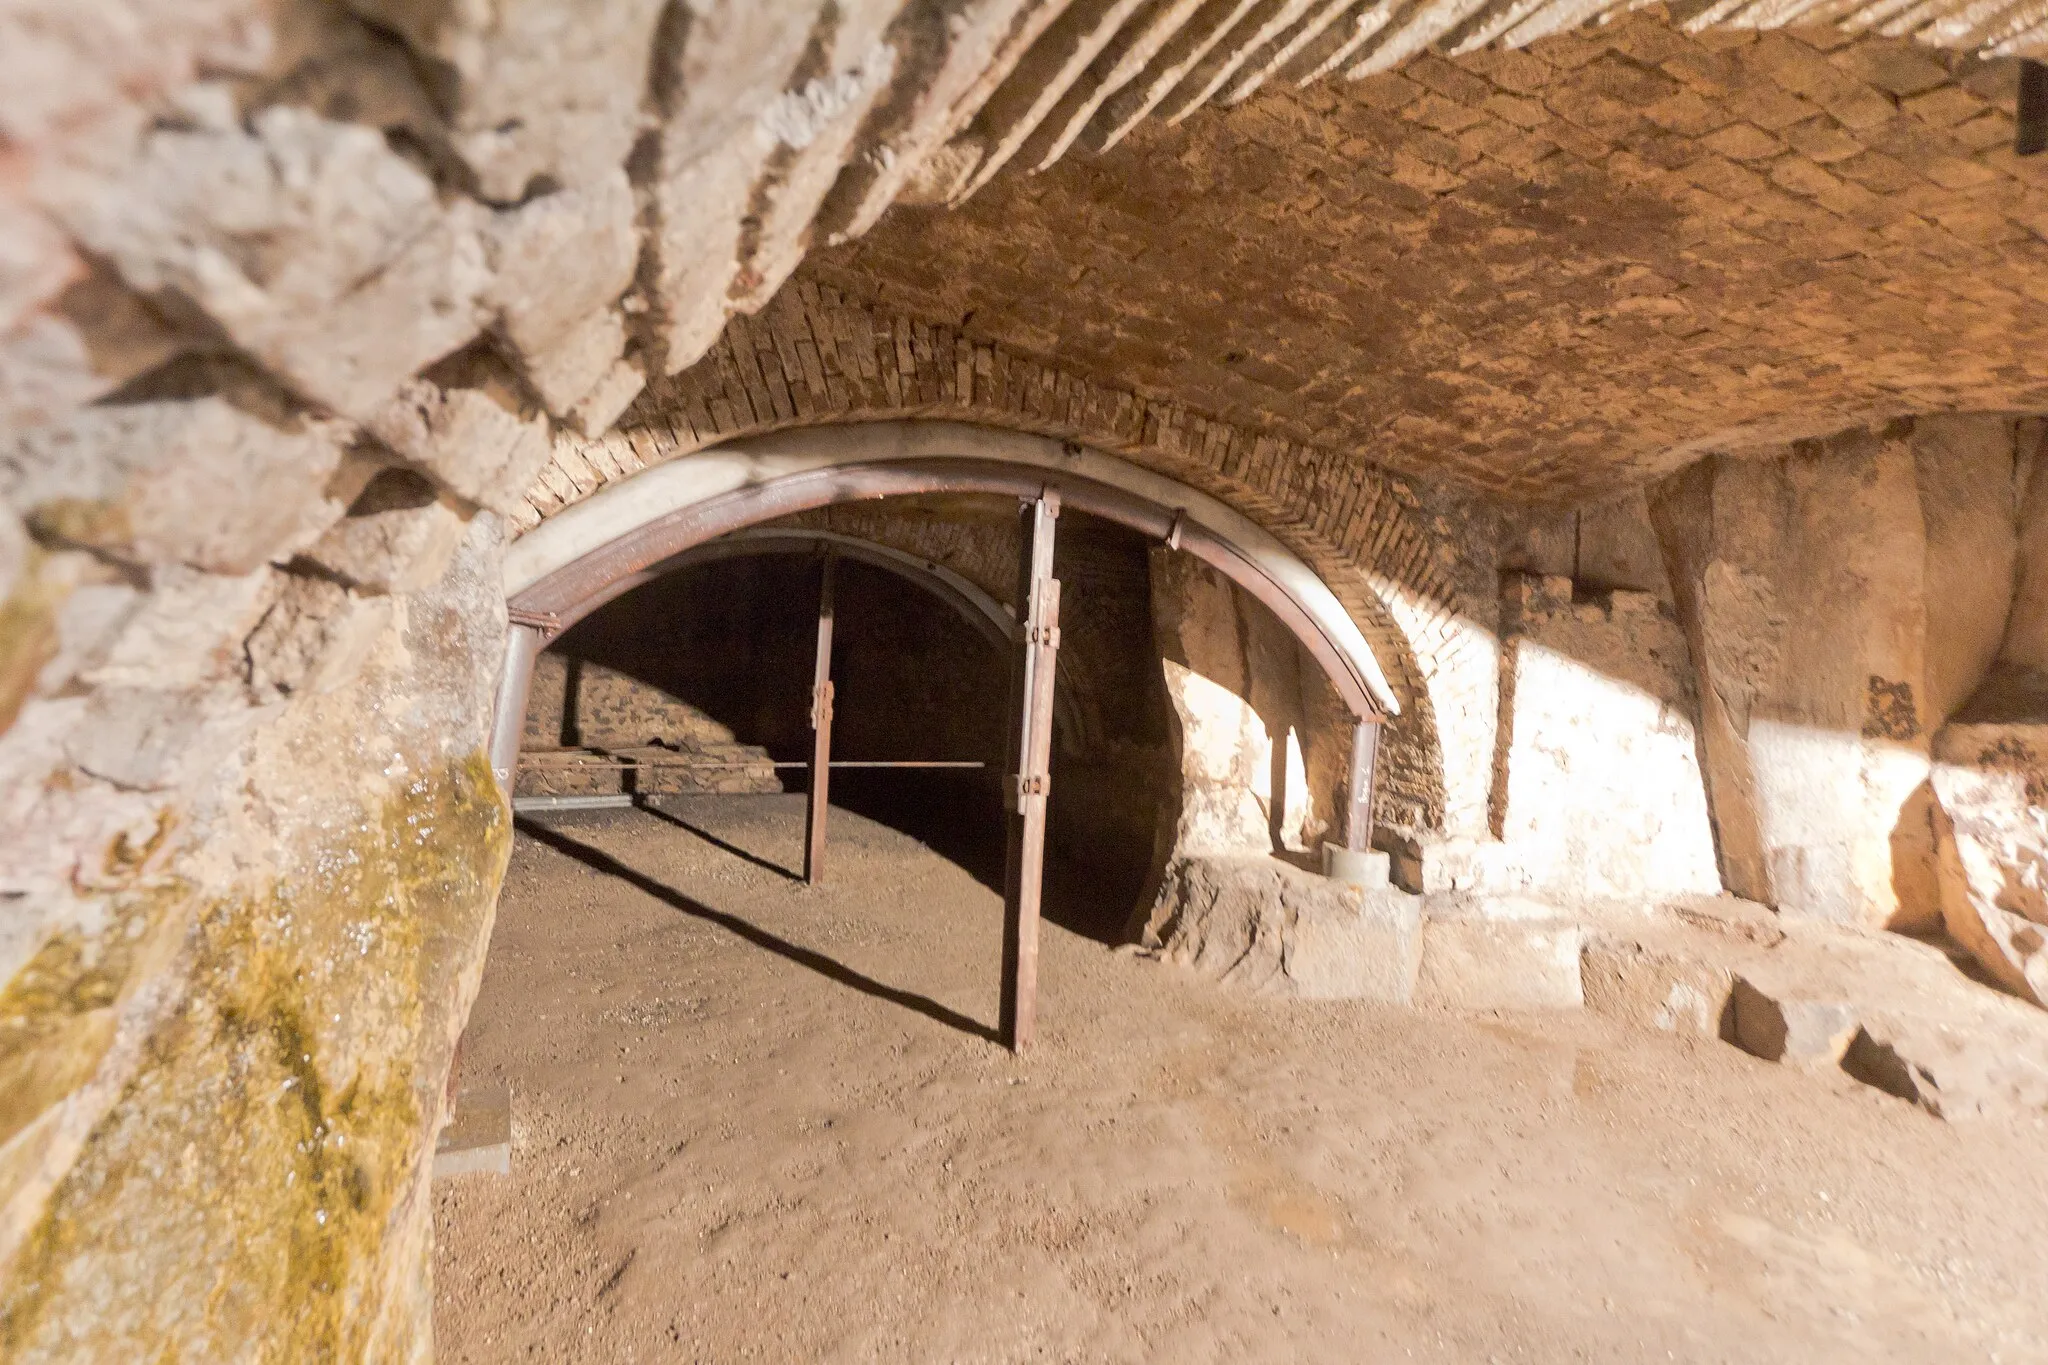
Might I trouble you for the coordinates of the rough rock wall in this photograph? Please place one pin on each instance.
(241, 964)
(1599, 788)
(1842, 600)
(1990, 820)
(1261, 765)
(328, 275)
(574, 703)
(326, 284)
(1988, 796)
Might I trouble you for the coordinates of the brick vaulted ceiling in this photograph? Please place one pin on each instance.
(1549, 272)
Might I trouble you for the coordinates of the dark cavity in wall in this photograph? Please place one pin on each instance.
(714, 663)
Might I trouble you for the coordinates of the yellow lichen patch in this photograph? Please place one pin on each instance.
(28, 639)
(57, 1013)
(87, 522)
(56, 1019)
(255, 1172)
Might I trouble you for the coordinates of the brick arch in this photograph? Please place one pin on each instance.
(815, 358)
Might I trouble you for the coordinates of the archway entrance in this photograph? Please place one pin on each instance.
(643, 526)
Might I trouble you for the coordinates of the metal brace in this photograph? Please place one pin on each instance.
(1048, 636)
(1023, 787)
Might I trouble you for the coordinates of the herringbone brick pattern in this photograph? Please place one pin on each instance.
(1549, 272)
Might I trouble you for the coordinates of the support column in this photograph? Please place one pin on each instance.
(523, 644)
(1365, 744)
(1030, 767)
(821, 732)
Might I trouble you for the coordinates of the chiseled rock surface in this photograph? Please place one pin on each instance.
(1778, 1026)
(1480, 962)
(222, 1061)
(1235, 686)
(1266, 926)
(1991, 829)
(1842, 601)
(1892, 1012)
(203, 483)
(1673, 967)
(1603, 794)
(539, 89)
(472, 441)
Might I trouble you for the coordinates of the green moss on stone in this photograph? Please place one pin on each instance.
(243, 1197)
(57, 1013)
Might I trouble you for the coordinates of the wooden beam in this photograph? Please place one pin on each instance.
(1030, 783)
(821, 732)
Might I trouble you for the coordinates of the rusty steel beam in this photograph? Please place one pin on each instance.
(1030, 787)
(1365, 744)
(580, 587)
(2030, 120)
(821, 732)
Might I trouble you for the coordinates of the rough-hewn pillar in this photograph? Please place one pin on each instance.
(1841, 600)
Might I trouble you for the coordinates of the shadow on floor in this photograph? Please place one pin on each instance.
(960, 817)
(722, 845)
(604, 863)
(957, 815)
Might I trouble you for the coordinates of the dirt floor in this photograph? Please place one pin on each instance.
(757, 1121)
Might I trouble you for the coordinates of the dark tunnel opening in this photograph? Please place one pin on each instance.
(701, 680)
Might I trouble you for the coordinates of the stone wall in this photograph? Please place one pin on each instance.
(227, 1038)
(1259, 748)
(298, 296)
(574, 703)
(1599, 789)
(1257, 773)
(1842, 599)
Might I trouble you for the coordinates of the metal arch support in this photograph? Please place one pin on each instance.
(817, 803)
(990, 618)
(574, 589)
(637, 523)
(661, 518)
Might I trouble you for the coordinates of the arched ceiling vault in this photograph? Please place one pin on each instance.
(1549, 273)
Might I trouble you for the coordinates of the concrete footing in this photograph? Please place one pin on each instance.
(1368, 869)
(478, 1138)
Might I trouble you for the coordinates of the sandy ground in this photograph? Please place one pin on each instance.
(754, 1121)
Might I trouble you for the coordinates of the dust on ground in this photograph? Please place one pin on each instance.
(759, 1121)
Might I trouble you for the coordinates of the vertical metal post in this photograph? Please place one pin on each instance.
(515, 682)
(1030, 781)
(1365, 743)
(821, 732)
